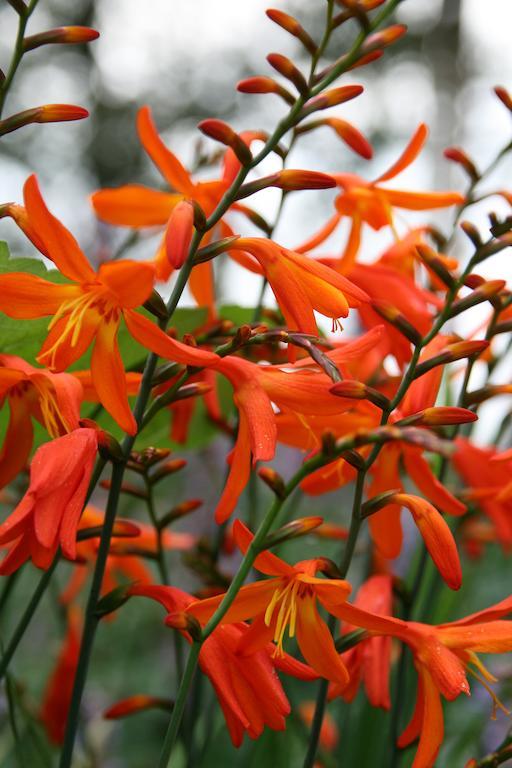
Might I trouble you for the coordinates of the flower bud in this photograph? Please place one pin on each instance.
(156, 305)
(169, 468)
(113, 600)
(472, 232)
(264, 85)
(60, 35)
(214, 249)
(504, 96)
(292, 26)
(384, 37)
(359, 391)
(287, 69)
(292, 530)
(178, 234)
(440, 416)
(185, 508)
(222, 132)
(378, 502)
(274, 481)
(484, 292)
(452, 352)
(398, 321)
(331, 531)
(457, 155)
(289, 180)
(184, 622)
(332, 98)
(138, 703)
(49, 113)
(433, 261)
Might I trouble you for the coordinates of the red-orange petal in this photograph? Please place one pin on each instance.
(134, 205)
(109, 378)
(166, 162)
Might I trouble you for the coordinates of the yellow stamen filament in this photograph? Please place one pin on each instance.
(496, 703)
(287, 615)
(75, 310)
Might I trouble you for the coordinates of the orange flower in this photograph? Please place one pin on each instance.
(367, 202)
(248, 689)
(87, 309)
(48, 514)
(59, 688)
(51, 398)
(288, 600)
(442, 655)
(302, 285)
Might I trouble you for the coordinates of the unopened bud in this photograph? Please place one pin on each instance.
(329, 568)
(485, 393)
(264, 85)
(60, 35)
(384, 37)
(169, 468)
(504, 96)
(112, 600)
(215, 249)
(439, 416)
(289, 180)
(178, 234)
(331, 531)
(222, 132)
(156, 305)
(452, 352)
(274, 481)
(398, 321)
(484, 292)
(181, 510)
(292, 26)
(108, 446)
(457, 155)
(332, 98)
(358, 391)
(292, 530)
(472, 232)
(433, 262)
(185, 622)
(287, 69)
(196, 389)
(138, 703)
(350, 640)
(49, 113)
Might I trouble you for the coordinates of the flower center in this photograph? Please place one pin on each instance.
(286, 598)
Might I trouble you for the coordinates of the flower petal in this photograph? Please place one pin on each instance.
(408, 156)
(28, 296)
(167, 163)
(316, 643)
(130, 281)
(60, 245)
(134, 205)
(109, 378)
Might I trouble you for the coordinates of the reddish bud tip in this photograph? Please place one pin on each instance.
(457, 155)
(184, 622)
(291, 25)
(222, 132)
(290, 180)
(134, 704)
(384, 37)
(56, 113)
(274, 481)
(287, 69)
(60, 35)
(504, 96)
(264, 85)
(178, 235)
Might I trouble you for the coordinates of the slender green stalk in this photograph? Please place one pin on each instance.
(17, 53)
(179, 706)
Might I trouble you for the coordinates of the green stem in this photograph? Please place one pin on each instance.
(17, 53)
(179, 706)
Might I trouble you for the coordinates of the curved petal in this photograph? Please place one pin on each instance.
(418, 469)
(432, 729)
(134, 205)
(201, 287)
(349, 255)
(239, 471)
(130, 281)
(320, 236)
(316, 643)
(60, 245)
(266, 562)
(167, 163)
(488, 637)
(61, 348)
(421, 201)
(408, 156)
(17, 442)
(26, 296)
(109, 378)
(151, 337)
(251, 600)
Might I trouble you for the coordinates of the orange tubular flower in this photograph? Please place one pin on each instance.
(302, 285)
(51, 398)
(87, 309)
(443, 655)
(48, 514)
(367, 202)
(248, 689)
(287, 600)
(59, 688)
